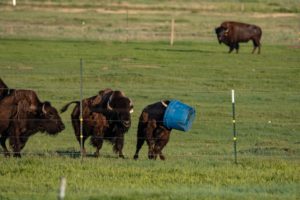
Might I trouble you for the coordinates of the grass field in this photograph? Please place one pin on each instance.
(41, 46)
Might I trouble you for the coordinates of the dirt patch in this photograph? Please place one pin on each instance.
(295, 46)
(113, 8)
(274, 15)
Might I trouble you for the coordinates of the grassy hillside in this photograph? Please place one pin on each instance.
(40, 49)
(146, 20)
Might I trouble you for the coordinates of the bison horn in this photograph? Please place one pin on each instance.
(108, 106)
(164, 104)
(131, 106)
(43, 109)
(108, 103)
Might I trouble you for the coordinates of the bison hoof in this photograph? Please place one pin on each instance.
(135, 157)
(96, 154)
(121, 156)
(17, 155)
(162, 157)
(6, 154)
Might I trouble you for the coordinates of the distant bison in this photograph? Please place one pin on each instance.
(152, 129)
(22, 114)
(232, 33)
(106, 116)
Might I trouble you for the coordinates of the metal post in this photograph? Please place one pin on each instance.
(234, 128)
(80, 118)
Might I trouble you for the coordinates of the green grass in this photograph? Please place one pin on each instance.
(146, 20)
(41, 47)
(200, 162)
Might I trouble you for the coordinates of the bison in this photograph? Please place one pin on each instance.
(152, 129)
(105, 116)
(232, 33)
(22, 114)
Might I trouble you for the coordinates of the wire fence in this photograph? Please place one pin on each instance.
(126, 23)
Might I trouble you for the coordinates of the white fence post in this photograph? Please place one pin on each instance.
(172, 32)
(62, 188)
(14, 2)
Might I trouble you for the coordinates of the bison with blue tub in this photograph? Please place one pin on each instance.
(156, 123)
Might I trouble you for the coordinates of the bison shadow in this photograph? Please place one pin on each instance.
(176, 50)
(76, 154)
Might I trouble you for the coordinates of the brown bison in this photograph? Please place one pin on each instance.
(232, 33)
(22, 114)
(152, 129)
(106, 116)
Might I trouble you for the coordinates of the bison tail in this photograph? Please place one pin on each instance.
(65, 107)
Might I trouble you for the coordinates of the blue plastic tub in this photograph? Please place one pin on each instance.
(179, 116)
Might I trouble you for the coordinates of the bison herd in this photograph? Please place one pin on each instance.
(106, 116)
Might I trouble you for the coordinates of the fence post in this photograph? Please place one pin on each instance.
(62, 188)
(127, 24)
(14, 2)
(81, 118)
(234, 128)
(172, 32)
(242, 7)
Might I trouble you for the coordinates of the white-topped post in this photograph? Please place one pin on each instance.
(234, 126)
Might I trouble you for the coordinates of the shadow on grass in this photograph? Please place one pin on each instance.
(76, 154)
(177, 50)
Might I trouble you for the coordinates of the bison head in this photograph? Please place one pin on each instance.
(222, 34)
(122, 106)
(50, 119)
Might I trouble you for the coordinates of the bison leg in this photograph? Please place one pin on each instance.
(237, 46)
(140, 139)
(119, 143)
(97, 141)
(231, 47)
(164, 136)
(76, 126)
(83, 151)
(23, 141)
(2, 142)
(256, 44)
(15, 144)
(149, 138)
(140, 142)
